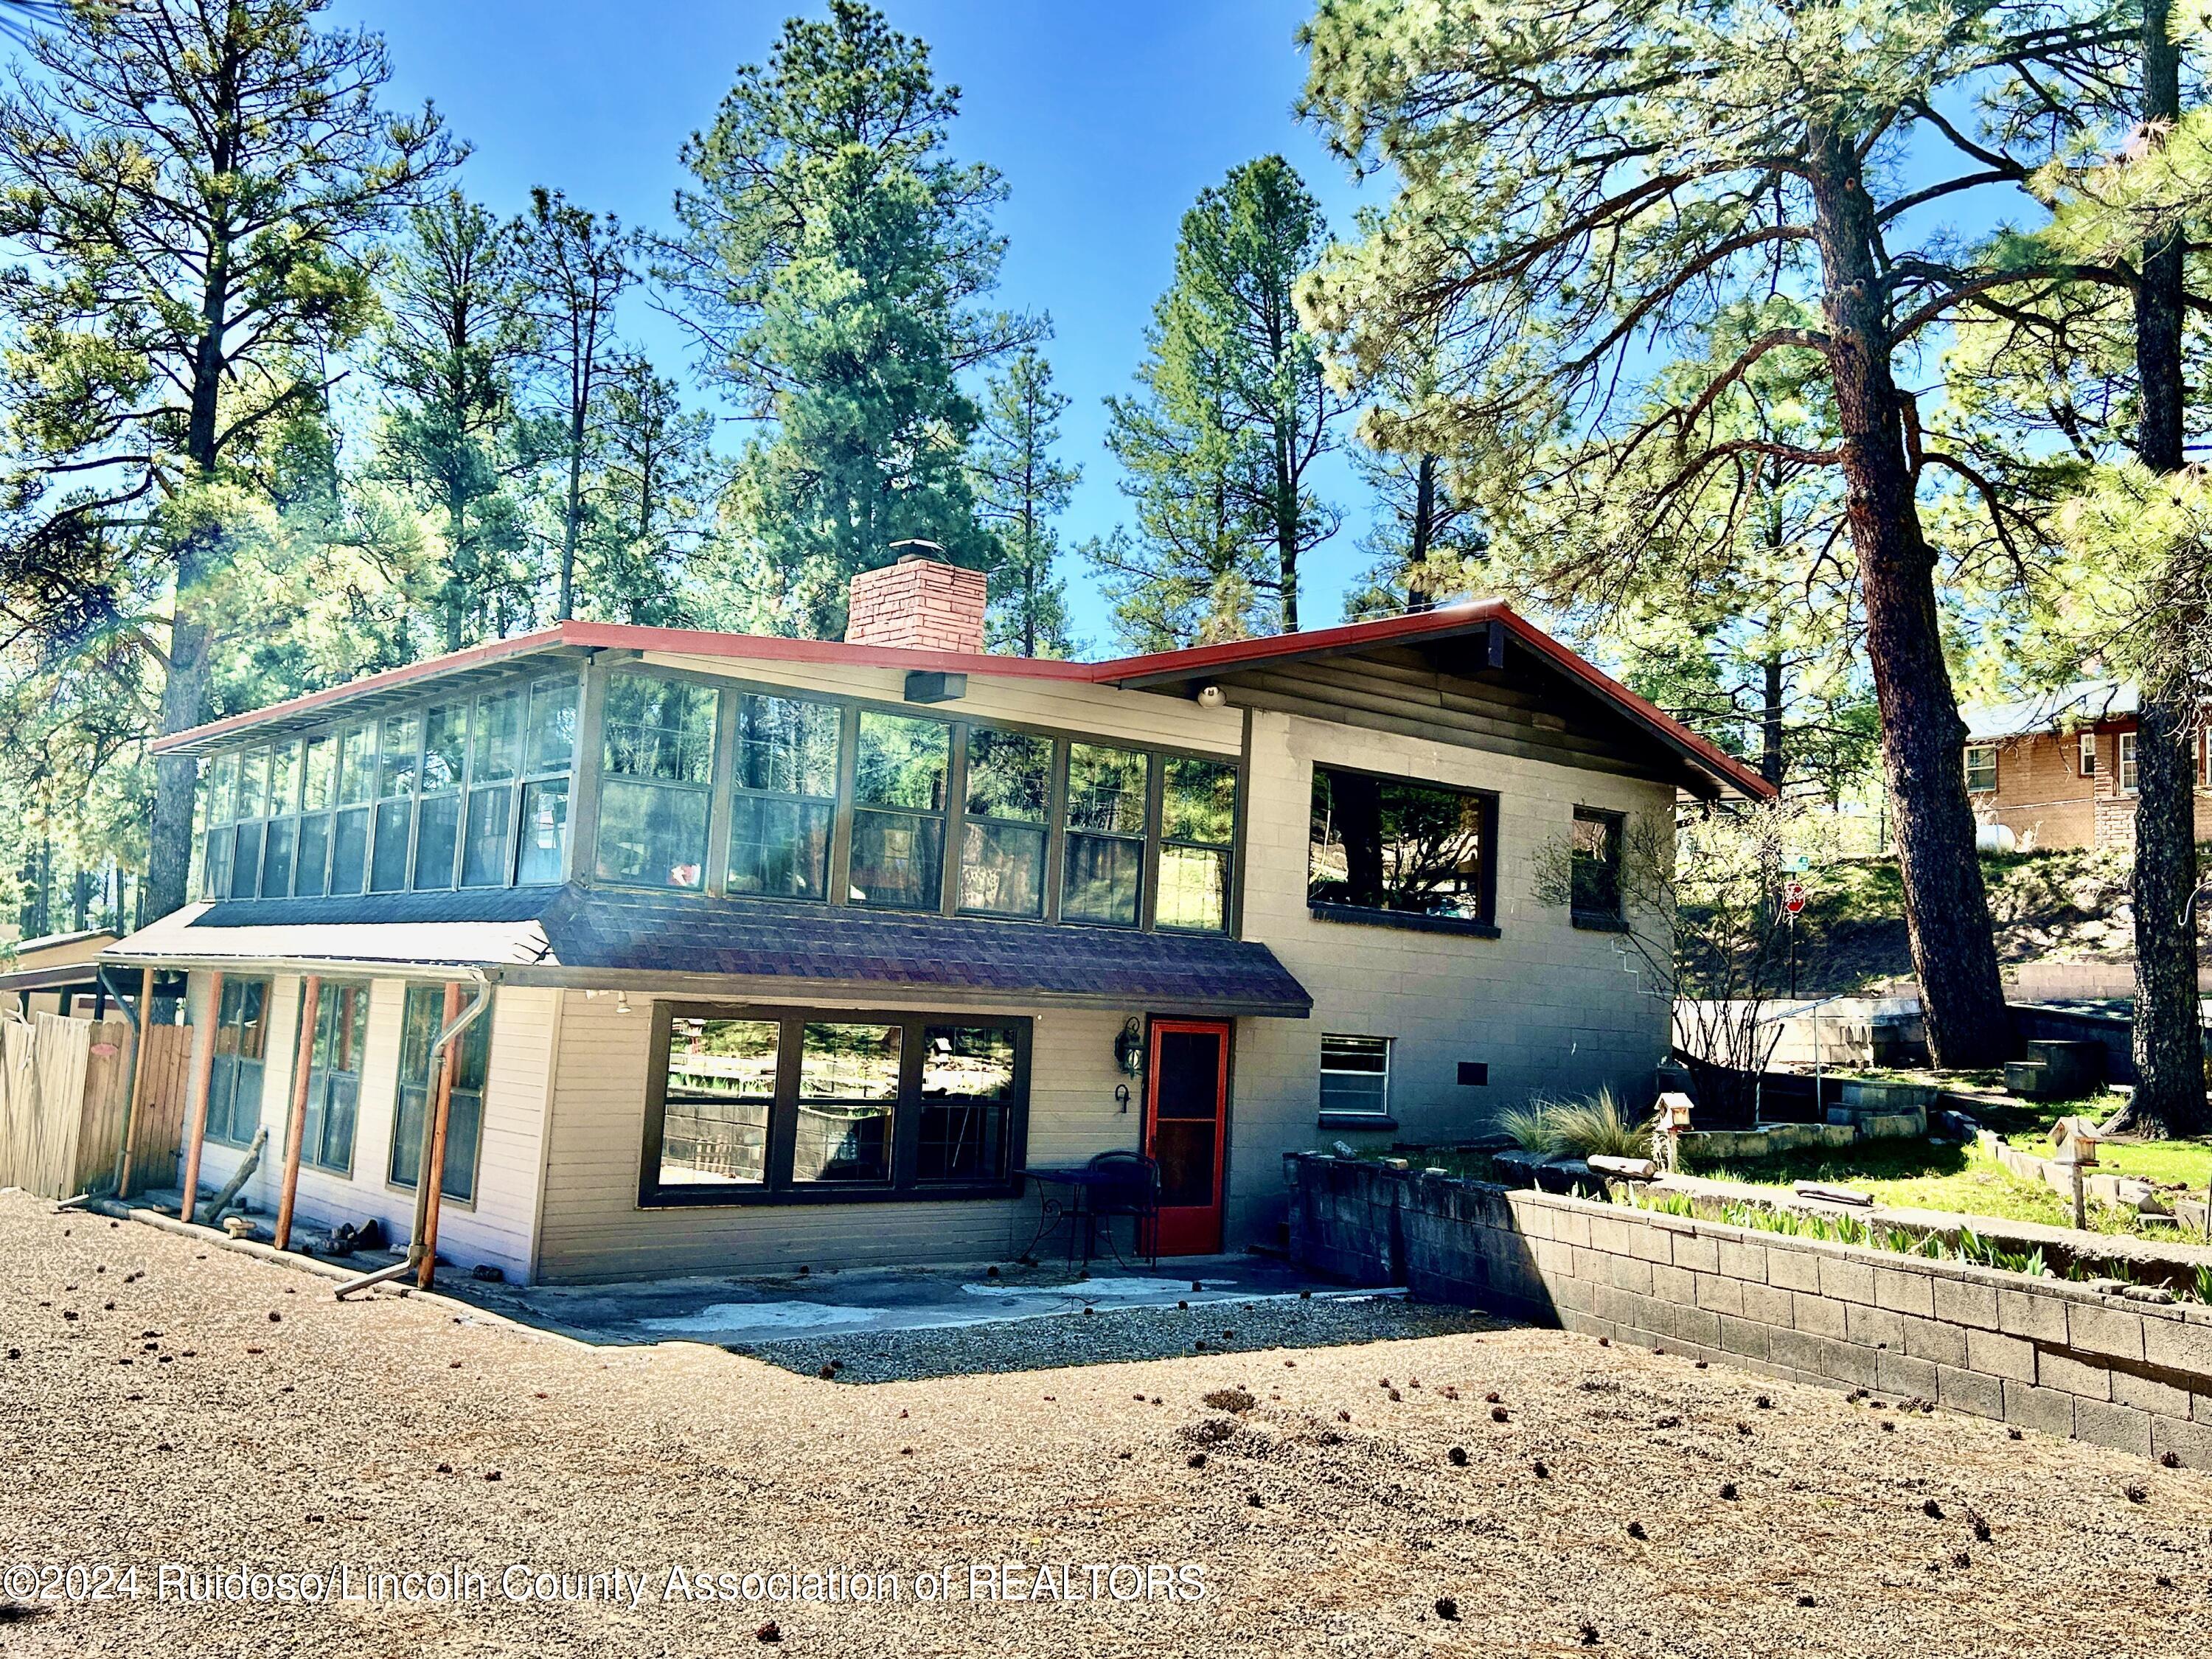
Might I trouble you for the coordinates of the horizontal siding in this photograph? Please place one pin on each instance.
(1406, 700)
(496, 1227)
(593, 1228)
(1070, 706)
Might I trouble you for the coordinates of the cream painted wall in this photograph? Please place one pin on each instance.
(1071, 706)
(593, 1228)
(499, 1225)
(1548, 1005)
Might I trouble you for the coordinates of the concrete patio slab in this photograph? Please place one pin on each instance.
(764, 1311)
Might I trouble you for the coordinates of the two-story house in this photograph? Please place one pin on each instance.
(2058, 769)
(751, 952)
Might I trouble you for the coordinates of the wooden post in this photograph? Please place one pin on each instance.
(295, 1128)
(431, 1176)
(196, 1114)
(137, 1084)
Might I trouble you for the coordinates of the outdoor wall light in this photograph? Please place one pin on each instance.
(1129, 1048)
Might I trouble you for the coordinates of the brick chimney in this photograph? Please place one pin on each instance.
(923, 602)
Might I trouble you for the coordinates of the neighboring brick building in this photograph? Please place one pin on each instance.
(2059, 770)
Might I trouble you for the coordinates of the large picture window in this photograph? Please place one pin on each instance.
(657, 782)
(1400, 849)
(421, 1021)
(242, 1052)
(753, 1104)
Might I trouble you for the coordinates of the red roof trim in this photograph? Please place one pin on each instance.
(520, 645)
(1317, 642)
(771, 648)
(1155, 667)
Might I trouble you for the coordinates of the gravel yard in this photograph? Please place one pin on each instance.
(1116, 1334)
(168, 1401)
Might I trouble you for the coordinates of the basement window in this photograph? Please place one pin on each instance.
(1981, 768)
(1355, 1076)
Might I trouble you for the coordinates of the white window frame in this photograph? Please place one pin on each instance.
(1332, 1109)
(2088, 762)
(2127, 766)
(1972, 749)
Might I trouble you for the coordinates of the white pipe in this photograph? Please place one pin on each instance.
(368, 1281)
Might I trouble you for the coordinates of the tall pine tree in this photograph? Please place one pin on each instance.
(1219, 445)
(188, 190)
(1020, 488)
(832, 266)
(457, 334)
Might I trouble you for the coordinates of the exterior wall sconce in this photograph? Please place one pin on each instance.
(1129, 1048)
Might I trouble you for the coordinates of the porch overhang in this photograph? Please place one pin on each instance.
(616, 940)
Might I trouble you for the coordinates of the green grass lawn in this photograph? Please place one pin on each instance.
(1922, 1174)
(2188, 1162)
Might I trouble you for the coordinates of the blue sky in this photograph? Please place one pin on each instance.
(1106, 121)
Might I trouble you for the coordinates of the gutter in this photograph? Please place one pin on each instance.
(335, 967)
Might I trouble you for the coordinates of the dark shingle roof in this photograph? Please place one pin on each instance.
(565, 932)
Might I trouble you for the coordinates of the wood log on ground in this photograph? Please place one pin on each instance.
(236, 1184)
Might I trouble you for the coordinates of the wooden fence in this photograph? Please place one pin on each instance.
(64, 1085)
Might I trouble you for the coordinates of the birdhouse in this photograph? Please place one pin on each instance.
(1674, 1109)
(2075, 1141)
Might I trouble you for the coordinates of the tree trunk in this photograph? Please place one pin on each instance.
(1923, 738)
(191, 639)
(1418, 596)
(2169, 1043)
(573, 511)
(1770, 724)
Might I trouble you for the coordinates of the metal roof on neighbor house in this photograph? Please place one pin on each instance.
(1161, 671)
(576, 935)
(2084, 702)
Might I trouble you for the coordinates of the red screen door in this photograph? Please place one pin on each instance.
(1186, 1113)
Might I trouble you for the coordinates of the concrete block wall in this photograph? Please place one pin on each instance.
(2046, 1354)
(1545, 1006)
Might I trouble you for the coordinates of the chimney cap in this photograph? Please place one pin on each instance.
(918, 548)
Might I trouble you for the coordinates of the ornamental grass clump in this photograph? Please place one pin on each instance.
(1531, 1127)
(1599, 1128)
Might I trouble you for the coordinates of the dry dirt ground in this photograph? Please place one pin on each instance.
(165, 1401)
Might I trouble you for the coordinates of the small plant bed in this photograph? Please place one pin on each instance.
(2170, 1280)
(1928, 1175)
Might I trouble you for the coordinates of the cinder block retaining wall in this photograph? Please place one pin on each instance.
(2046, 1354)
